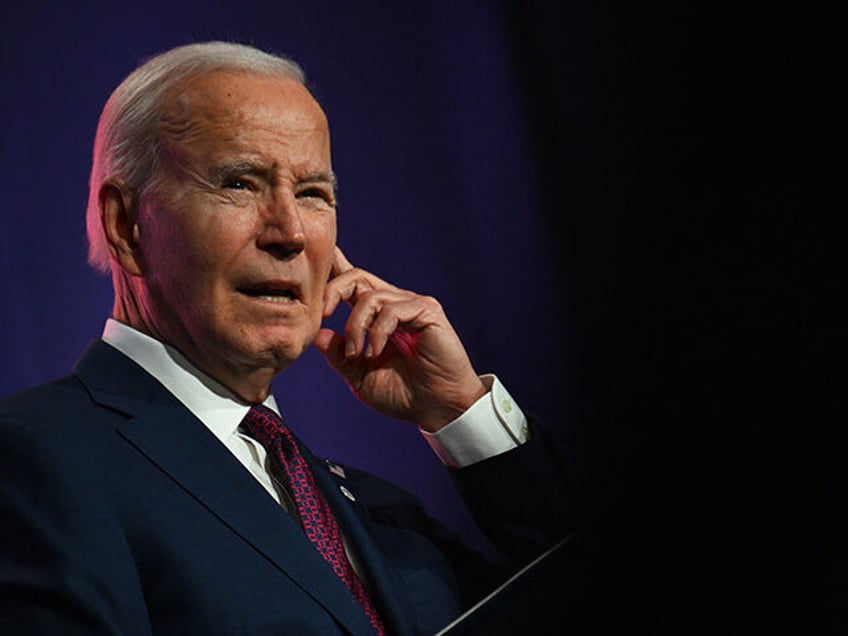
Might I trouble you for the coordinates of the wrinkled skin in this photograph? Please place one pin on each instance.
(232, 258)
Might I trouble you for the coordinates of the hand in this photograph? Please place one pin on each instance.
(399, 354)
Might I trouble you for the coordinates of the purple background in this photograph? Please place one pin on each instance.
(440, 192)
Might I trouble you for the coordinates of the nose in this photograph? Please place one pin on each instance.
(282, 233)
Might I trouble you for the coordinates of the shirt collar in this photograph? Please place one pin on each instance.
(212, 403)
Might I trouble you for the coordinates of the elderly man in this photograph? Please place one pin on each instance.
(157, 489)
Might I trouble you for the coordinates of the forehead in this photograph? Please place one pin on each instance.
(239, 109)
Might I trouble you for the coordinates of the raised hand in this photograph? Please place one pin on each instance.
(399, 353)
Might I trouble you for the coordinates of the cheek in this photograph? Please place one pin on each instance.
(323, 235)
(321, 254)
(199, 243)
(180, 258)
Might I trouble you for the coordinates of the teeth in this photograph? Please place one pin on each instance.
(277, 299)
(283, 296)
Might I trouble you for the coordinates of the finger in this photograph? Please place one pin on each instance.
(331, 346)
(367, 305)
(398, 322)
(352, 285)
(336, 291)
(347, 287)
(384, 325)
(358, 325)
(340, 263)
(383, 322)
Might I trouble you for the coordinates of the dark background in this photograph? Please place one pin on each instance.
(629, 214)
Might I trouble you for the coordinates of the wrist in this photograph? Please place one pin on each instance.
(495, 424)
(452, 409)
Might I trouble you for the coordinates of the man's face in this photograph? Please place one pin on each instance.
(238, 239)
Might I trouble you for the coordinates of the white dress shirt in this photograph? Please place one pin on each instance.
(493, 425)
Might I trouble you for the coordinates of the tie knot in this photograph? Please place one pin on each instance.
(265, 426)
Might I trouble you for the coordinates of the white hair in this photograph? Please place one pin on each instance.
(128, 141)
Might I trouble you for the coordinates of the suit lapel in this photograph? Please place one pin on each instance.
(393, 608)
(162, 429)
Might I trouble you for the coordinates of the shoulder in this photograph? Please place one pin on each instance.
(44, 403)
(58, 429)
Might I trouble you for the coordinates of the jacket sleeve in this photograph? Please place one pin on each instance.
(523, 499)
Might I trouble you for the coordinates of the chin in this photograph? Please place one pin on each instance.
(282, 352)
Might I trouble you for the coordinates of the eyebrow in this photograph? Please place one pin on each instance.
(245, 166)
(320, 177)
(236, 167)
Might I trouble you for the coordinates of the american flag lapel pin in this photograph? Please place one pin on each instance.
(337, 470)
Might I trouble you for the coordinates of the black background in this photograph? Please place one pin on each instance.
(702, 234)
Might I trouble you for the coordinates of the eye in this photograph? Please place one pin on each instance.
(236, 184)
(315, 193)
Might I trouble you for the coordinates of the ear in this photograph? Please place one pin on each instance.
(118, 217)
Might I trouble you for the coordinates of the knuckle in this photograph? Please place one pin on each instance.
(363, 288)
(379, 330)
(385, 324)
(431, 302)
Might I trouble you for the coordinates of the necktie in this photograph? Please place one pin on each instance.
(319, 524)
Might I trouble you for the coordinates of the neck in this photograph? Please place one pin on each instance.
(251, 387)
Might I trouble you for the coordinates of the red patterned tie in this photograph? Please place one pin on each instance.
(319, 524)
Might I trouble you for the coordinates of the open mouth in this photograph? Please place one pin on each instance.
(271, 292)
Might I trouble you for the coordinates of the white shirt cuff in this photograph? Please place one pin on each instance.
(493, 425)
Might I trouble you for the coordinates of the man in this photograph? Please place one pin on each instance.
(145, 494)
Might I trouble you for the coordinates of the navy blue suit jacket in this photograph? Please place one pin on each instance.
(122, 514)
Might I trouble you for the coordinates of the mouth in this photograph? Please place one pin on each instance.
(273, 291)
